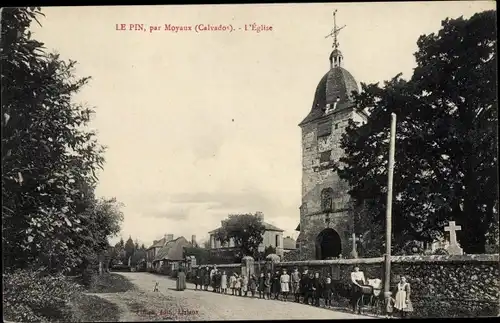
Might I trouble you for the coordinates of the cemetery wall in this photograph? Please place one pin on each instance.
(442, 285)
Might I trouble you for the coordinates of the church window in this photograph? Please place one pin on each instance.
(325, 156)
(336, 126)
(277, 242)
(327, 199)
(324, 129)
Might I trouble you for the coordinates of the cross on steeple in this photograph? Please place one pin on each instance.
(335, 31)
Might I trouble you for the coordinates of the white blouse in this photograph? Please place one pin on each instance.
(358, 275)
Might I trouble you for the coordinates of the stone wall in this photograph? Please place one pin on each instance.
(442, 286)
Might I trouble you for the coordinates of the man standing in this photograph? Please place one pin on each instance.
(296, 284)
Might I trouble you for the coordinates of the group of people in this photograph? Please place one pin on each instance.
(398, 300)
(306, 287)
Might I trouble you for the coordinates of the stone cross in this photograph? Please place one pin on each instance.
(454, 248)
(354, 252)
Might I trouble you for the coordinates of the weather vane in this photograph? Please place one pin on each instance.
(335, 31)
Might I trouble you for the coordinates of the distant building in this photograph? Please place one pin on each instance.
(171, 255)
(272, 237)
(159, 250)
(289, 244)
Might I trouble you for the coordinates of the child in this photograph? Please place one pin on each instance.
(197, 279)
(244, 285)
(262, 280)
(389, 309)
(267, 285)
(317, 288)
(218, 281)
(232, 282)
(223, 283)
(252, 285)
(237, 285)
(206, 278)
(327, 291)
(285, 285)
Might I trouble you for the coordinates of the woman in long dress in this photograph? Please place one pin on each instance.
(285, 284)
(181, 280)
(357, 280)
(402, 299)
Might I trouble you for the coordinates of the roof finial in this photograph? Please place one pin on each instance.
(335, 31)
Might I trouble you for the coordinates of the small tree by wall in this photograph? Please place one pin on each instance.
(246, 230)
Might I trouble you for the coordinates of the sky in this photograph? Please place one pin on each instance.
(201, 125)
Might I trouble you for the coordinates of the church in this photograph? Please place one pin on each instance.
(326, 225)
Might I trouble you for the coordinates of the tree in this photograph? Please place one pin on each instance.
(121, 243)
(446, 153)
(49, 157)
(129, 248)
(202, 255)
(206, 244)
(246, 230)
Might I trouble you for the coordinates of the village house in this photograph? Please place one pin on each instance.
(272, 237)
(166, 250)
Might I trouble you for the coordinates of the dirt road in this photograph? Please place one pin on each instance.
(189, 305)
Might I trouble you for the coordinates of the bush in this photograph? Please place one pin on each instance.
(441, 251)
(88, 308)
(33, 296)
(110, 283)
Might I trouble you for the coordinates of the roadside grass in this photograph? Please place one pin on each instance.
(156, 307)
(110, 283)
(89, 308)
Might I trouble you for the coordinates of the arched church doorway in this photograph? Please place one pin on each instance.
(328, 244)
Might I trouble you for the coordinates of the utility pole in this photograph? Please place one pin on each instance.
(388, 214)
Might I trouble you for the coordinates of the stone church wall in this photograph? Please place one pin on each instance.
(461, 286)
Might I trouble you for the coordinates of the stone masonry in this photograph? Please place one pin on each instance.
(318, 175)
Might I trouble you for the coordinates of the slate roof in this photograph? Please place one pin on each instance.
(337, 82)
(158, 243)
(173, 250)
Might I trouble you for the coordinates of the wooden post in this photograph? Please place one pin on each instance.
(388, 224)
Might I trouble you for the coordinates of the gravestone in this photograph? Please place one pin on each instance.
(354, 251)
(454, 248)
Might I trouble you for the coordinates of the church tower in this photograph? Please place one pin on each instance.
(325, 224)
